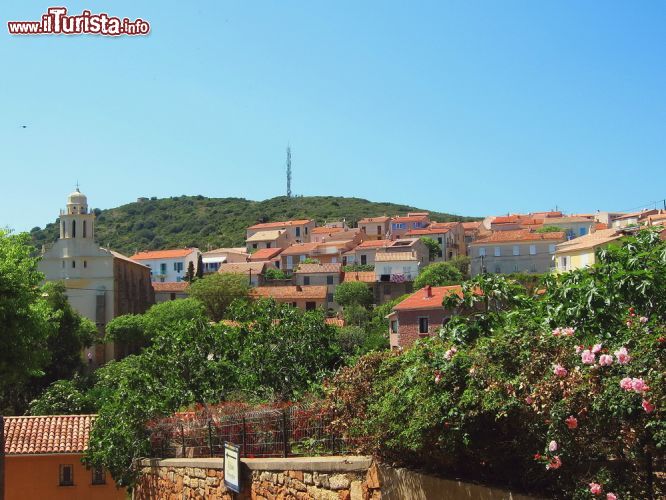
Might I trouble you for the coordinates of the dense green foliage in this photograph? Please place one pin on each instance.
(196, 221)
(547, 392)
(356, 268)
(217, 291)
(353, 293)
(275, 274)
(438, 274)
(549, 229)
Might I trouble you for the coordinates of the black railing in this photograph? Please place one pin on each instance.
(279, 432)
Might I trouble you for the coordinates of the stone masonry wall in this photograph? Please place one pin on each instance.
(320, 478)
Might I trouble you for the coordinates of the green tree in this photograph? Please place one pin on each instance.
(23, 316)
(275, 274)
(190, 274)
(353, 293)
(462, 263)
(438, 274)
(433, 247)
(549, 229)
(200, 267)
(219, 290)
(63, 397)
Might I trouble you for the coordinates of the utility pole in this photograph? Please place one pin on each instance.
(288, 171)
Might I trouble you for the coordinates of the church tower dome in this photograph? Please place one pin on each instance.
(76, 221)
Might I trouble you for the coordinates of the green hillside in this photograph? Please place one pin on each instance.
(218, 222)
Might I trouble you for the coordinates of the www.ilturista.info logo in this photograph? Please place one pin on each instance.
(57, 22)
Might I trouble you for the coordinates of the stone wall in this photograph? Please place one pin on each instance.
(321, 478)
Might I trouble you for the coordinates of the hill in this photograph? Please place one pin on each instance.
(218, 222)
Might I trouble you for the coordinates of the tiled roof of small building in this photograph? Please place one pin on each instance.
(266, 235)
(428, 230)
(394, 256)
(300, 248)
(265, 254)
(163, 254)
(242, 267)
(170, 286)
(291, 292)
(47, 434)
(318, 268)
(519, 235)
(370, 220)
(422, 300)
(287, 223)
(374, 243)
(364, 276)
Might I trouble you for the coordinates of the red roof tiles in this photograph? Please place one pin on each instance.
(422, 300)
(374, 243)
(519, 235)
(318, 268)
(364, 276)
(47, 434)
(163, 254)
(287, 223)
(170, 286)
(291, 292)
(265, 254)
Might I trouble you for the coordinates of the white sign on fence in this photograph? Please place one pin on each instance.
(232, 479)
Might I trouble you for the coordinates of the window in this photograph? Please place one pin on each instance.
(73, 229)
(301, 258)
(66, 475)
(563, 262)
(268, 245)
(254, 245)
(334, 260)
(329, 297)
(498, 269)
(532, 249)
(516, 249)
(364, 259)
(306, 230)
(84, 229)
(310, 306)
(498, 251)
(63, 264)
(85, 264)
(172, 296)
(177, 266)
(439, 240)
(73, 264)
(306, 280)
(582, 231)
(585, 259)
(394, 326)
(551, 248)
(63, 229)
(98, 475)
(298, 232)
(423, 325)
(290, 262)
(482, 251)
(379, 229)
(329, 280)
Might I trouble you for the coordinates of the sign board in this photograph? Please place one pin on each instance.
(232, 479)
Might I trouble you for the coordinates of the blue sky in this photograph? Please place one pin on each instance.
(464, 107)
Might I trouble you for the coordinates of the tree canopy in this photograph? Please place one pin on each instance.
(353, 293)
(438, 274)
(217, 291)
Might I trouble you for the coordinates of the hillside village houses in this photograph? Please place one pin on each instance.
(100, 283)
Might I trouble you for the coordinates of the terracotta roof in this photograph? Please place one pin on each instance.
(410, 218)
(374, 243)
(421, 300)
(163, 254)
(592, 240)
(291, 292)
(287, 223)
(265, 235)
(318, 268)
(47, 434)
(364, 276)
(370, 220)
(549, 214)
(327, 230)
(565, 220)
(600, 225)
(120, 256)
(300, 248)
(170, 286)
(394, 256)
(265, 254)
(524, 220)
(427, 230)
(222, 251)
(335, 322)
(242, 267)
(519, 235)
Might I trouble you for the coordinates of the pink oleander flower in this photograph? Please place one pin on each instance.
(529, 400)
(557, 332)
(438, 377)
(638, 385)
(647, 406)
(595, 488)
(611, 496)
(622, 356)
(555, 463)
(552, 446)
(643, 319)
(572, 422)
(626, 383)
(629, 323)
(559, 371)
(578, 348)
(596, 348)
(587, 357)
(449, 354)
(568, 331)
(605, 360)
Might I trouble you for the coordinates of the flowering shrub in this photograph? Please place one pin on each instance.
(560, 393)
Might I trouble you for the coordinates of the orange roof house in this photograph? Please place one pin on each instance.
(420, 315)
(170, 290)
(296, 231)
(265, 254)
(303, 297)
(168, 265)
(43, 460)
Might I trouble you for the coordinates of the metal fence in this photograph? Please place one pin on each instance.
(275, 432)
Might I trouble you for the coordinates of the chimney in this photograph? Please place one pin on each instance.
(428, 291)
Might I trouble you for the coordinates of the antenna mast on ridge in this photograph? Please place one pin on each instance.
(288, 172)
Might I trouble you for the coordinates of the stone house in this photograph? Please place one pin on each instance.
(328, 275)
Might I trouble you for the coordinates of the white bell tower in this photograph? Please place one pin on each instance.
(76, 222)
